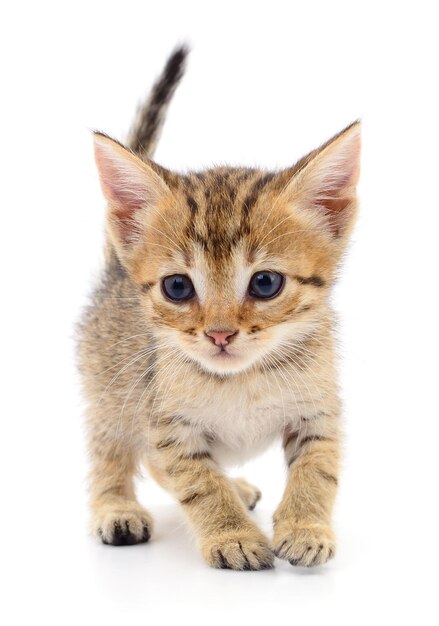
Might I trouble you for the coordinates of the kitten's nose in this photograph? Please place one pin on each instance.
(220, 337)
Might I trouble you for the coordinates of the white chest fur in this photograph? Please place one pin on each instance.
(244, 417)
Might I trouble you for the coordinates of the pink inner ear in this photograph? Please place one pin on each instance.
(336, 198)
(125, 188)
(337, 211)
(129, 229)
(124, 203)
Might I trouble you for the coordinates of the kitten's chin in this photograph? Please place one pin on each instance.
(224, 364)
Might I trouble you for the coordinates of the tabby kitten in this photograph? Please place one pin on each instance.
(210, 336)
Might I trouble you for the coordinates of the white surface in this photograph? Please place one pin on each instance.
(266, 82)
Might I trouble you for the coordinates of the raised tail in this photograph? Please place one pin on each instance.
(145, 132)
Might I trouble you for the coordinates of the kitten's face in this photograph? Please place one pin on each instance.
(233, 285)
(233, 265)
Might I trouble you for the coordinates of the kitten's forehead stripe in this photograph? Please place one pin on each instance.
(189, 183)
(220, 201)
(192, 203)
(258, 186)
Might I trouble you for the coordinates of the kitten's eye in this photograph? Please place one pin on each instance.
(265, 284)
(178, 287)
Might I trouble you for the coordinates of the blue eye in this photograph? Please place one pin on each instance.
(178, 287)
(265, 284)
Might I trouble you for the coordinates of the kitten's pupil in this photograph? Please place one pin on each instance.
(265, 284)
(178, 287)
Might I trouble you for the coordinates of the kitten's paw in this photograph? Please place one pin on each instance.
(248, 493)
(239, 550)
(122, 527)
(306, 546)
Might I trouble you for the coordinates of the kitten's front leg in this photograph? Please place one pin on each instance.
(117, 517)
(302, 522)
(227, 536)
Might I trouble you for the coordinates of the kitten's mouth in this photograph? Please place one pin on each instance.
(223, 360)
(223, 353)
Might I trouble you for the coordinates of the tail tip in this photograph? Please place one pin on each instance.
(176, 63)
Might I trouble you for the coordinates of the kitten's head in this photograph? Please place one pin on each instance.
(233, 265)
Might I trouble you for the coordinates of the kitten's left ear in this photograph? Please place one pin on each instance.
(324, 187)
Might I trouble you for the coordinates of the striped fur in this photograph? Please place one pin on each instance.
(161, 394)
(145, 132)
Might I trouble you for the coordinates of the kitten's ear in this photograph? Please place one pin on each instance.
(325, 185)
(131, 187)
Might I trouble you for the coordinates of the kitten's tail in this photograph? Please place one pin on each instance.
(145, 132)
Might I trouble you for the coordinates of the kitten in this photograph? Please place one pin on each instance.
(210, 336)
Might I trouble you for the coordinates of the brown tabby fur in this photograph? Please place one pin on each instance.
(157, 392)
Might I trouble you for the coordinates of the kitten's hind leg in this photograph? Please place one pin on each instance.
(117, 517)
(248, 493)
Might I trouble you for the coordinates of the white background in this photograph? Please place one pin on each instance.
(267, 81)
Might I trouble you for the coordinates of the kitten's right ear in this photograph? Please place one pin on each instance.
(132, 189)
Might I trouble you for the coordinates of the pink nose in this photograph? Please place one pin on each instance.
(219, 337)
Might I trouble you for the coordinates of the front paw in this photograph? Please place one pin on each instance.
(239, 550)
(304, 545)
(125, 526)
